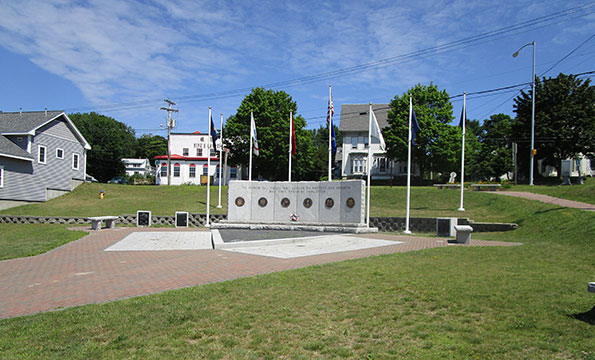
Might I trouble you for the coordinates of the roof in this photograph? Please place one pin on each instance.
(354, 117)
(189, 158)
(12, 150)
(27, 122)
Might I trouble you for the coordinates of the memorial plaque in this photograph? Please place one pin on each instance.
(445, 226)
(313, 202)
(239, 206)
(329, 195)
(143, 218)
(263, 198)
(181, 219)
(307, 201)
(285, 201)
(352, 204)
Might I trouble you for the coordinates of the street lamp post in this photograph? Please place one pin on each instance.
(532, 150)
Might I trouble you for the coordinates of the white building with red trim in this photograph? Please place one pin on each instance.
(189, 161)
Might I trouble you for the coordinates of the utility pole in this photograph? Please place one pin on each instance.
(170, 125)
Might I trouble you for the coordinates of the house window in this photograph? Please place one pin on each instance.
(75, 161)
(358, 165)
(192, 171)
(41, 152)
(233, 172)
(205, 170)
(59, 153)
(1, 177)
(213, 153)
(366, 144)
(198, 152)
(163, 170)
(354, 142)
(176, 170)
(185, 151)
(382, 164)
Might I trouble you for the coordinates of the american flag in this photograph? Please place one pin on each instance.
(331, 111)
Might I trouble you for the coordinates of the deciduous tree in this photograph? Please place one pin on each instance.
(110, 141)
(271, 116)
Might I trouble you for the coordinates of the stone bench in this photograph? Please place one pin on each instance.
(110, 222)
(488, 187)
(448, 186)
(463, 233)
(591, 287)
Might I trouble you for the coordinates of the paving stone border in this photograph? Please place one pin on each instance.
(384, 224)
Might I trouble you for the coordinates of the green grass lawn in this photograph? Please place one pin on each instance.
(126, 199)
(584, 193)
(21, 240)
(455, 302)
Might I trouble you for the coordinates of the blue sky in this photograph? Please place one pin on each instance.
(122, 58)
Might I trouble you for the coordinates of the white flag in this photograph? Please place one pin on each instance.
(253, 134)
(376, 133)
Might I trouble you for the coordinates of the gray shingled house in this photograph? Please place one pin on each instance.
(42, 155)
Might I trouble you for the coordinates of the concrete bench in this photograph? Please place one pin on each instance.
(463, 233)
(591, 287)
(488, 187)
(448, 186)
(110, 222)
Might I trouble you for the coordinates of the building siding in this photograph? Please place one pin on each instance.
(60, 129)
(29, 181)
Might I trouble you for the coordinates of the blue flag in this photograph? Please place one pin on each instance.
(414, 126)
(333, 138)
(213, 133)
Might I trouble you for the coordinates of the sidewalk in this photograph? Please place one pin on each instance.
(549, 199)
(81, 272)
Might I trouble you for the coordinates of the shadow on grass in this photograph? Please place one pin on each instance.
(588, 316)
(548, 210)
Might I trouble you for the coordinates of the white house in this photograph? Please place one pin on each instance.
(138, 167)
(189, 161)
(354, 153)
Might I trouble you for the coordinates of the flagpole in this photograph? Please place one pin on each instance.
(330, 124)
(220, 163)
(407, 231)
(290, 147)
(208, 172)
(251, 132)
(463, 120)
(369, 166)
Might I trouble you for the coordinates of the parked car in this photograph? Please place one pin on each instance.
(117, 180)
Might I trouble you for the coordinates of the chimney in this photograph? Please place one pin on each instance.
(20, 111)
(46, 111)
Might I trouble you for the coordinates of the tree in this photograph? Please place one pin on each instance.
(110, 141)
(149, 145)
(564, 120)
(271, 116)
(495, 153)
(320, 162)
(438, 143)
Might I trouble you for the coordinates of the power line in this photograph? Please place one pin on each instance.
(461, 43)
(567, 55)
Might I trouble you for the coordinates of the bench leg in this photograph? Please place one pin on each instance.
(463, 237)
(95, 225)
(110, 224)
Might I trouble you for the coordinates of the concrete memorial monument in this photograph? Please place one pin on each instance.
(326, 206)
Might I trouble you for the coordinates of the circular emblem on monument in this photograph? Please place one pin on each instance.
(262, 202)
(350, 203)
(240, 201)
(285, 202)
(307, 203)
(329, 203)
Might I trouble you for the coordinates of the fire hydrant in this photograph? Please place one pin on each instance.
(101, 194)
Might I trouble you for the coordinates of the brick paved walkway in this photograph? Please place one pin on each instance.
(81, 272)
(549, 199)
